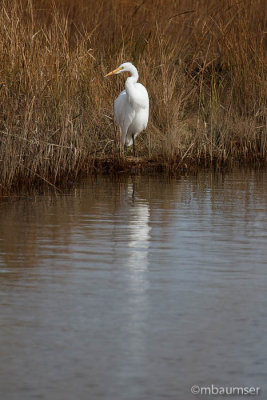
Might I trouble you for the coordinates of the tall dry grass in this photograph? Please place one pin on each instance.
(202, 62)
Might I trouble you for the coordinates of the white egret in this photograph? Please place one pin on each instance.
(131, 107)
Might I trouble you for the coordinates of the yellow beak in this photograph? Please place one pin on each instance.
(113, 72)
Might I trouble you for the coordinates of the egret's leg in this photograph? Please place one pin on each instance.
(123, 140)
(121, 148)
(133, 146)
(115, 139)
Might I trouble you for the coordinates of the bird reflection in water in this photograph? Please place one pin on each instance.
(138, 238)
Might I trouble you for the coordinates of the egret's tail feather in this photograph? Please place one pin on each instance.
(128, 141)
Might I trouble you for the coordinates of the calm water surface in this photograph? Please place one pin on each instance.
(135, 288)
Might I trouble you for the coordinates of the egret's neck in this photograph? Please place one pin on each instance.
(131, 81)
(134, 76)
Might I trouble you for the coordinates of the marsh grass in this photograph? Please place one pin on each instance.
(201, 61)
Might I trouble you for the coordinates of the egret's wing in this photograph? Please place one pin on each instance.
(119, 107)
(124, 113)
(137, 96)
(141, 96)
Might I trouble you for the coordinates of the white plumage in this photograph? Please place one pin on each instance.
(131, 107)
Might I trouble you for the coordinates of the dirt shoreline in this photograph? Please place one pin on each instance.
(129, 165)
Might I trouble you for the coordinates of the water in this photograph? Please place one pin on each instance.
(135, 288)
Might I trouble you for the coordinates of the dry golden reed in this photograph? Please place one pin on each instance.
(202, 62)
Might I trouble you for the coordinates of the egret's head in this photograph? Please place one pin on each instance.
(122, 68)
